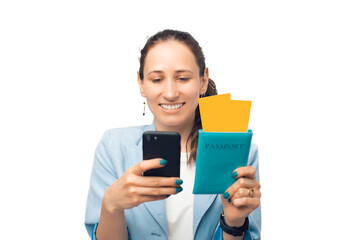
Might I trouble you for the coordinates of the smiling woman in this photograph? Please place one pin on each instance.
(178, 56)
(172, 85)
(124, 204)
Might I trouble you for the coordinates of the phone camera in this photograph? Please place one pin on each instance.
(155, 138)
(147, 138)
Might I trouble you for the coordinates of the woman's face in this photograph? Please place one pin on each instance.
(172, 84)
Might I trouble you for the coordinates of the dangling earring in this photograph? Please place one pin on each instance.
(202, 95)
(144, 109)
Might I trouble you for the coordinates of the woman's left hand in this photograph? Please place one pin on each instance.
(244, 196)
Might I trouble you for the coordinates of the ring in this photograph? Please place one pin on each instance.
(251, 192)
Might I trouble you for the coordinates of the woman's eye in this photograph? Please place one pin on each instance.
(155, 80)
(183, 79)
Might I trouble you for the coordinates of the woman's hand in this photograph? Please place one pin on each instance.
(242, 197)
(132, 188)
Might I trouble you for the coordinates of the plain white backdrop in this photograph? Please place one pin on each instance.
(68, 73)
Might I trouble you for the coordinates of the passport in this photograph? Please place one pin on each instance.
(218, 155)
(224, 142)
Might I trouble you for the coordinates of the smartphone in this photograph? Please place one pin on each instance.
(166, 145)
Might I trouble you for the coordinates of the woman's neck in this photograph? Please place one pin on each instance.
(184, 132)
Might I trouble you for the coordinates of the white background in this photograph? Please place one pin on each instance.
(68, 73)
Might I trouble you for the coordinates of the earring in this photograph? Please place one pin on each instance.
(144, 109)
(202, 95)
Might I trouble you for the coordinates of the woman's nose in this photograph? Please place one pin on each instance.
(170, 91)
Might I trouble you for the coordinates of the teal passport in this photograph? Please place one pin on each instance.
(218, 155)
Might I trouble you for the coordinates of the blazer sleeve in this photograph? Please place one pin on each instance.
(102, 176)
(254, 232)
(93, 235)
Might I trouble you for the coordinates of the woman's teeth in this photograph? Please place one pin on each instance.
(170, 107)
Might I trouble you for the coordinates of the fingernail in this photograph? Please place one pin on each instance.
(163, 162)
(179, 189)
(226, 195)
(229, 200)
(178, 181)
(234, 174)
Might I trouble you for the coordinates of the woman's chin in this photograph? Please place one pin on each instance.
(172, 122)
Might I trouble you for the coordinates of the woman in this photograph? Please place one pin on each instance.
(123, 204)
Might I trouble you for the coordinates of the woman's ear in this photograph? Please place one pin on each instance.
(204, 81)
(141, 85)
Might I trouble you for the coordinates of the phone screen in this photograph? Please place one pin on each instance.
(166, 145)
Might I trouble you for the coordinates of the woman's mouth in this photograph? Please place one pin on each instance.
(172, 106)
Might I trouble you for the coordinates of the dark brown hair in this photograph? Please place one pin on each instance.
(194, 46)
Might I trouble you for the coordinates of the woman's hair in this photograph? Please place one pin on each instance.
(194, 46)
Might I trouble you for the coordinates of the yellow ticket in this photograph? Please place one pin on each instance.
(221, 114)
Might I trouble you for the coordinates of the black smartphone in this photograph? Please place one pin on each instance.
(166, 145)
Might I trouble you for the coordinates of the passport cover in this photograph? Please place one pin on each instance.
(218, 155)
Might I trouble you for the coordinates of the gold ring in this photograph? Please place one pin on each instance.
(251, 192)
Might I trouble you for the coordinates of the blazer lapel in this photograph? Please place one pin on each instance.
(202, 203)
(155, 208)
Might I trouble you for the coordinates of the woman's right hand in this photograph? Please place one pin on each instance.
(132, 188)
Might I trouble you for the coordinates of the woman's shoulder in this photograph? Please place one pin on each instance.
(126, 135)
(130, 131)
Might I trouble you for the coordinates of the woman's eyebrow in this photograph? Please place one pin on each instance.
(155, 71)
(178, 71)
(181, 71)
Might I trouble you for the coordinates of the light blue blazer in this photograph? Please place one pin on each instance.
(120, 149)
